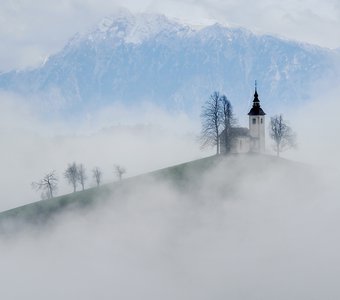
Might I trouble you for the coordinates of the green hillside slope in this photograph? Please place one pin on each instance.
(185, 177)
(181, 176)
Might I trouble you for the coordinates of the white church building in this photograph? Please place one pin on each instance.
(252, 139)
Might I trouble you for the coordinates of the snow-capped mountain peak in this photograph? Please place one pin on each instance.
(133, 29)
(137, 57)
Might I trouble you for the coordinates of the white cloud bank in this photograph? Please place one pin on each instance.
(141, 139)
(269, 234)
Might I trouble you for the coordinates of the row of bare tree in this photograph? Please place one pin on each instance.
(74, 174)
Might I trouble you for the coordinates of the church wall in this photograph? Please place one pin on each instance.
(257, 131)
(241, 145)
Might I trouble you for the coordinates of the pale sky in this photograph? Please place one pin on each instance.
(30, 30)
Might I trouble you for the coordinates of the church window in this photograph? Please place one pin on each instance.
(261, 120)
(254, 121)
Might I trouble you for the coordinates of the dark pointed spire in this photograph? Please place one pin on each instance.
(256, 110)
(256, 100)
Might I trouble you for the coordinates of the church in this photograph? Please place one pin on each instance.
(252, 139)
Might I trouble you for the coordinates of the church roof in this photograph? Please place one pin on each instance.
(236, 132)
(239, 131)
(256, 110)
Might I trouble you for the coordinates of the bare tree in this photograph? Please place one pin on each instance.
(282, 134)
(120, 171)
(47, 185)
(228, 121)
(211, 118)
(97, 175)
(72, 175)
(82, 175)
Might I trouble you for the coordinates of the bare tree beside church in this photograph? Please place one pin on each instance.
(97, 175)
(228, 121)
(211, 118)
(47, 185)
(72, 175)
(282, 135)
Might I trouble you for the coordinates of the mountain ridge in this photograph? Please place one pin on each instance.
(147, 57)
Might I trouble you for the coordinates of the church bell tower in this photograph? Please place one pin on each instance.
(257, 125)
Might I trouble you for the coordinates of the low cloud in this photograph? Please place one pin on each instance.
(317, 129)
(141, 139)
(248, 229)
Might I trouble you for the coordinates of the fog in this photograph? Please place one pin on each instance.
(263, 235)
(247, 229)
(141, 139)
(317, 125)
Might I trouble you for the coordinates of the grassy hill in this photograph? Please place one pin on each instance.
(184, 177)
(181, 176)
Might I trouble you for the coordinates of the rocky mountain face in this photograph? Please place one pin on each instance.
(134, 58)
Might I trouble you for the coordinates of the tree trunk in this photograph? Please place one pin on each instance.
(218, 147)
(50, 191)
